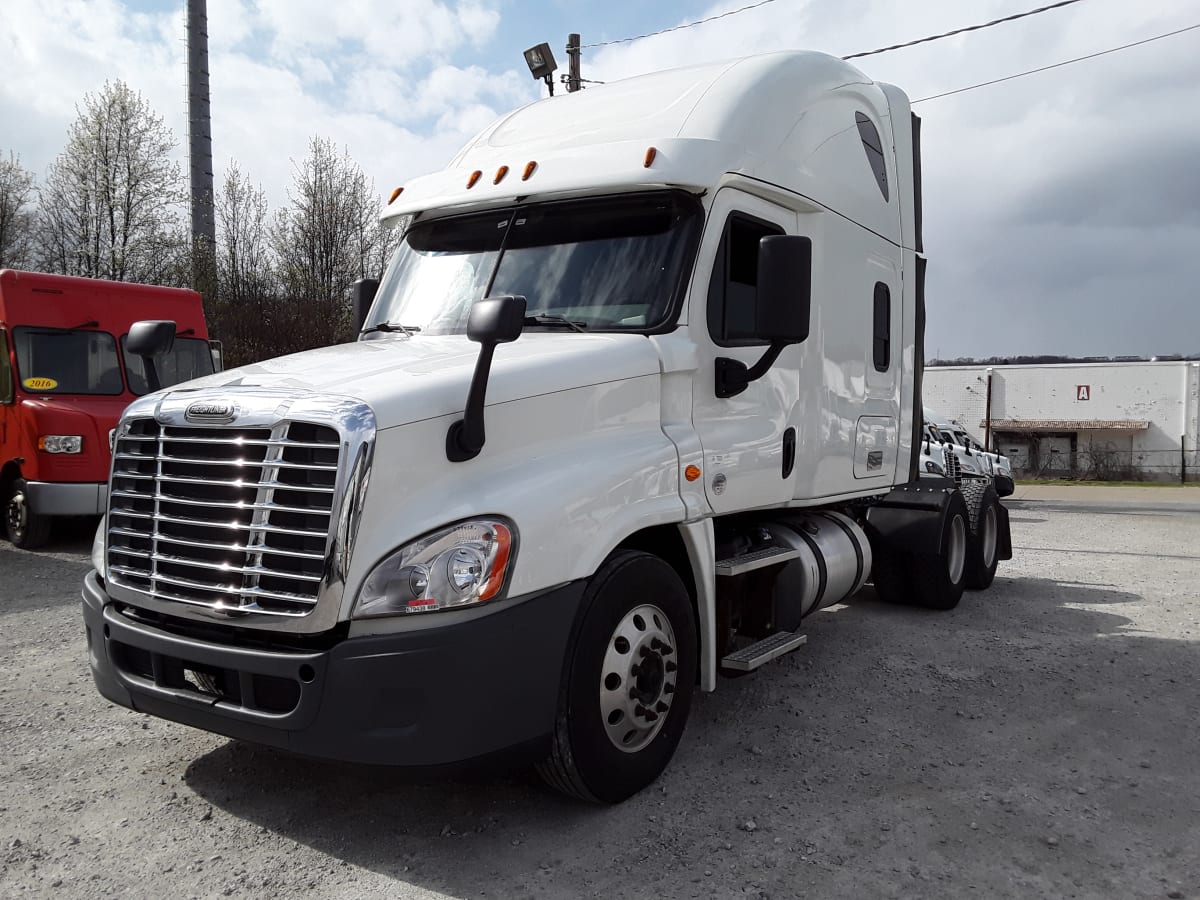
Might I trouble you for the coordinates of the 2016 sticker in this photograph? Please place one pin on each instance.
(39, 384)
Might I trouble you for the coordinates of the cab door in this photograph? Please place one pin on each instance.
(749, 439)
(7, 395)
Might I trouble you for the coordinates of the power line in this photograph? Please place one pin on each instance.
(732, 12)
(1065, 62)
(946, 34)
(934, 37)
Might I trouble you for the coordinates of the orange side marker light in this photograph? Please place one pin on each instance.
(691, 473)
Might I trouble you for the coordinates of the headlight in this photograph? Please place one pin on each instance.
(935, 468)
(98, 548)
(457, 566)
(60, 443)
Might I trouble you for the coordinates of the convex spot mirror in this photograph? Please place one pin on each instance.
(784, 297)
(150, 337)
(497, 320)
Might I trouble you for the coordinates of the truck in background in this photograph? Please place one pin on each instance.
(638, 394)
(64, 380)
(973, 457)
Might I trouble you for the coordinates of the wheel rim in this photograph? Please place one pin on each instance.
(18, 516)
(987, 536)
(956, 553)
(637, 680)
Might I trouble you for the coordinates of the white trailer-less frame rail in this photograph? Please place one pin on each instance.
(639, 392)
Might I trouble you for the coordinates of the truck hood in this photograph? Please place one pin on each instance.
(408, 380)
(90, 416)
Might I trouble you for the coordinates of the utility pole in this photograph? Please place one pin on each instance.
(573, 48)
(204, 231)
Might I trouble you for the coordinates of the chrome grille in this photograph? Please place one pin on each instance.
(227, 518)
(953, 466)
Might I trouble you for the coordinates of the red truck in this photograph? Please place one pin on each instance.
(64, 380)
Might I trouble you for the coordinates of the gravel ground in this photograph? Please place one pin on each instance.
(1039, 741)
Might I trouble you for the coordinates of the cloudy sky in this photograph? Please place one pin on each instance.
(1062, 209)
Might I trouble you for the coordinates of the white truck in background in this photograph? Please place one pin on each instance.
(639, 393)
(973, 457)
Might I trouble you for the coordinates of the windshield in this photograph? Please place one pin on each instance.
(609, 264)
(189, 358)
(67, 361)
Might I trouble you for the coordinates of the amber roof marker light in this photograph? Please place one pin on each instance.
(649, 160)
(474, 179)
(530, 168)
(396, 193)
(500, 173)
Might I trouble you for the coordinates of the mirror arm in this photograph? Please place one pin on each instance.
(466, 437)
(733, 377)
(152, 381)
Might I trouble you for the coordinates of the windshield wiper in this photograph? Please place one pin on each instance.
(389, 327)
(543, 319)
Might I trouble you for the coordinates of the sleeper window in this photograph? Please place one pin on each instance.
(881, 344)
(874, 150)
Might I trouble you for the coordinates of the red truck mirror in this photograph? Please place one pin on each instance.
(147, 339)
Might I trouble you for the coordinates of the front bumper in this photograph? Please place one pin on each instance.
(430, 697)
(53, 498)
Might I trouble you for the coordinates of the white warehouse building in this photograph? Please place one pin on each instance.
(1103, 420)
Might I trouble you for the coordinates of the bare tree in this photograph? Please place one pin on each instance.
(16, 220)
(329, 238)
(247, 299)
(112, 202)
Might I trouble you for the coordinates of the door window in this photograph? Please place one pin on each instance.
(734, 285)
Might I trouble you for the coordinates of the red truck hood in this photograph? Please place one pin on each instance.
(91, 417)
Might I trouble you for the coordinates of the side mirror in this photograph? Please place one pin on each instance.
(150, 337)
(497, 320)
(362, 295)
(782, 308)
(784, 295)
(147, 339)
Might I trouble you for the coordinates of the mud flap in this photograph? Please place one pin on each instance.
(1004, 538)
(909, 519)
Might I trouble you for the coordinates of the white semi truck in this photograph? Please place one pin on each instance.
(639, 392)
(973, 459)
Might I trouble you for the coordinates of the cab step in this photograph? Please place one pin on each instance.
(761, 652)
(758, 559)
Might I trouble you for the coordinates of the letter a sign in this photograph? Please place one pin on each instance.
(1083, 392)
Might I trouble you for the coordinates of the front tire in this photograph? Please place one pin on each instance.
(24, 526)
(628, 681)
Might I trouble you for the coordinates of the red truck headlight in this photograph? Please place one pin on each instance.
(60, 443)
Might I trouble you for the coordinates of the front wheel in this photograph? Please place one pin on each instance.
(24, 526)
(627, 685)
